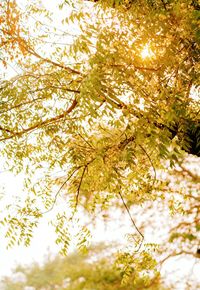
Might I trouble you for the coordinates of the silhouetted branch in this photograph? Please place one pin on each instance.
(134, 224)
(148, 156)
(64, 183)
(79, 187)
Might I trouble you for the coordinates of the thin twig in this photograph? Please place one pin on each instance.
(64, 183)
(175, 254)
(79, 187)
(155, 177)
(134, 224)
(87, 142)
(194, 176)
(41, 124)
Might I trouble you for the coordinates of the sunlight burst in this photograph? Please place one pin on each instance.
(146, 52)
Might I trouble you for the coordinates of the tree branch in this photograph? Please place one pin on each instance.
(175, 254)
(150, 162)
(134, 224)
(39, 125)
(79, 187)
(64, 183)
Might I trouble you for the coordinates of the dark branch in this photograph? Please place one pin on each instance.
(150, 162)
(79, 187)
(134, 224)
(64, 183)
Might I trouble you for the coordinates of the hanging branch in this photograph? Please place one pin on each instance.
(150, 162)
(79, 187)
(61, 187)
(86, 141)
(80, 183)
(134, 224)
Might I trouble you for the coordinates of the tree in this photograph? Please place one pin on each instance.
(76, 272)
(111, 110)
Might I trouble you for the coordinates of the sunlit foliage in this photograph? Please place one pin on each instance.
(110, 100)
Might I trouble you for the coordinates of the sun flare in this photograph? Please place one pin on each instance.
(146, 52)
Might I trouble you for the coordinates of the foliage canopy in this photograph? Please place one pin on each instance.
(109, 99)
